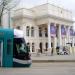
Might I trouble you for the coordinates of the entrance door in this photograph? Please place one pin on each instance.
(1, 49)
(41, 47)
(46, 46)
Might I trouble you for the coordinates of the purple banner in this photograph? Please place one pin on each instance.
(63, 30)
(52, 29)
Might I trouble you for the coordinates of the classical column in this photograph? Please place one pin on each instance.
(69, 34)
(37, 38)
(55, 45)
(73, 41)
(65, 41)
(59, 37)
(73, 45)
(55, 42)
(49, 39)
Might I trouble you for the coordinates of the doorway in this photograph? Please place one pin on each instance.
(46, 46)
(40, 47)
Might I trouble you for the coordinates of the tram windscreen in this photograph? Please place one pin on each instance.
(20, 50)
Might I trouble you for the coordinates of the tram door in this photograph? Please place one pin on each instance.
(6, 47)
(1, 49)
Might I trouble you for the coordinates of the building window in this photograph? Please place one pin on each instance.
(18, 27)
(40, 45)
(46, 45)
(28, 44)
(46, 32)
(27, 30)
(33, 48)
(40, 32)
(32, 31)
(51, 44)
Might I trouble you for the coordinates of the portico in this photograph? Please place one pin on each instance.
(46, 29)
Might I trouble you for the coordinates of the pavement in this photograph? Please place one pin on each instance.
(66, 68)
(53, 58)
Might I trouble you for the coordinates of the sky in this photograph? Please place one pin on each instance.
(66, 4)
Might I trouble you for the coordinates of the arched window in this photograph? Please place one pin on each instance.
(32, 31)
(28, 44)
(33, 47)
(40, 32)
(27, 30)
(46, 45)
(46, 32)
(40, 45)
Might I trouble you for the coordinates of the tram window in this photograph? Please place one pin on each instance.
(8, 46)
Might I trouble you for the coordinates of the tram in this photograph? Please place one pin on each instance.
(21, 52)
(13, 49)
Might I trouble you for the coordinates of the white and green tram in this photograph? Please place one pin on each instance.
(13, 49)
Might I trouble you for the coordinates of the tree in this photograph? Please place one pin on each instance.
(6, 4)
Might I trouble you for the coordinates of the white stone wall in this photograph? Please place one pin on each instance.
(36, 40)
(24, 12)
(40, 10)
(59, 12)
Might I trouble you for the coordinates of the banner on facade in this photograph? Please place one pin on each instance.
(52, 29)
(63, 30)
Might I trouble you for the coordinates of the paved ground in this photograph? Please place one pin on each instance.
(45, 68)
(54, 58)
(58, 68)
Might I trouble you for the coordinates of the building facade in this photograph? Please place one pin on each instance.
(46, 27)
